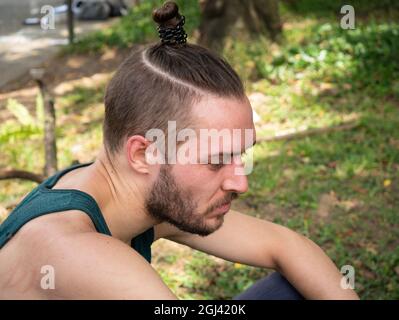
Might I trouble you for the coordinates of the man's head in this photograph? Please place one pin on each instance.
(191, 195)
(196, 89)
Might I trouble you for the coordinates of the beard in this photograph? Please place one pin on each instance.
(167, 202)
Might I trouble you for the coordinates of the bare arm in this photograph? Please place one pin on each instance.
(309, 269)
(260, 243)
(95, 266)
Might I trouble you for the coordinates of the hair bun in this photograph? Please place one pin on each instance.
(165, 13)
(170, 23)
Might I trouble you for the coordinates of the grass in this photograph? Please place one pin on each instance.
(320, 76)
(341, 189)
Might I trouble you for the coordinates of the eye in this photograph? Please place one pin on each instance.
(216, 166)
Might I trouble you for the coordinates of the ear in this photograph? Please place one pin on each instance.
(135, 148)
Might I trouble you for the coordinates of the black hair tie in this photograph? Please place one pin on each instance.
(175, 35)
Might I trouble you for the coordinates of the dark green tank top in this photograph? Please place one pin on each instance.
(44, 200)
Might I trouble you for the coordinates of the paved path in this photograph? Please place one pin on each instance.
(24, 47)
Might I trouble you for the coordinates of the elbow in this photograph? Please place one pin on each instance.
(289, 247)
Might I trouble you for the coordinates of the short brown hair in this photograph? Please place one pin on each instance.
(160, 83)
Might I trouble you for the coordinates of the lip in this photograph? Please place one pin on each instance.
(224, 208)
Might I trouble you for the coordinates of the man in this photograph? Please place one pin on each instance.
(81, 224)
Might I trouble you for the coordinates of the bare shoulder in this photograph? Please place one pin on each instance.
(84, 264)
(97, 266)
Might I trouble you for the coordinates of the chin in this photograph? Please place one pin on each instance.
(217, 222)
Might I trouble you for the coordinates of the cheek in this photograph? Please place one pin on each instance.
(198, 179)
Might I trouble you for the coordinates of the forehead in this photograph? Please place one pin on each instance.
(224, 119)
(223, 113)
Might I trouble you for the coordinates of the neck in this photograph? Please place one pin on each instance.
(120, 196)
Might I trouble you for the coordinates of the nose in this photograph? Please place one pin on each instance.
(234, 181)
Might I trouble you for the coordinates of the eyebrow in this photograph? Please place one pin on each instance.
(232, 154)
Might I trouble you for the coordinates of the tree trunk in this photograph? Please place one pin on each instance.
(71, 31)
(269, 15)
(217, 17)
(222, 18)
(50, 145)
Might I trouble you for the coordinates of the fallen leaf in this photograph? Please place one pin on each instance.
(305, 159)
(387, 183)
(326, 203)
(332, 164)
(368, 274)
(359, 189)
(349, 205)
